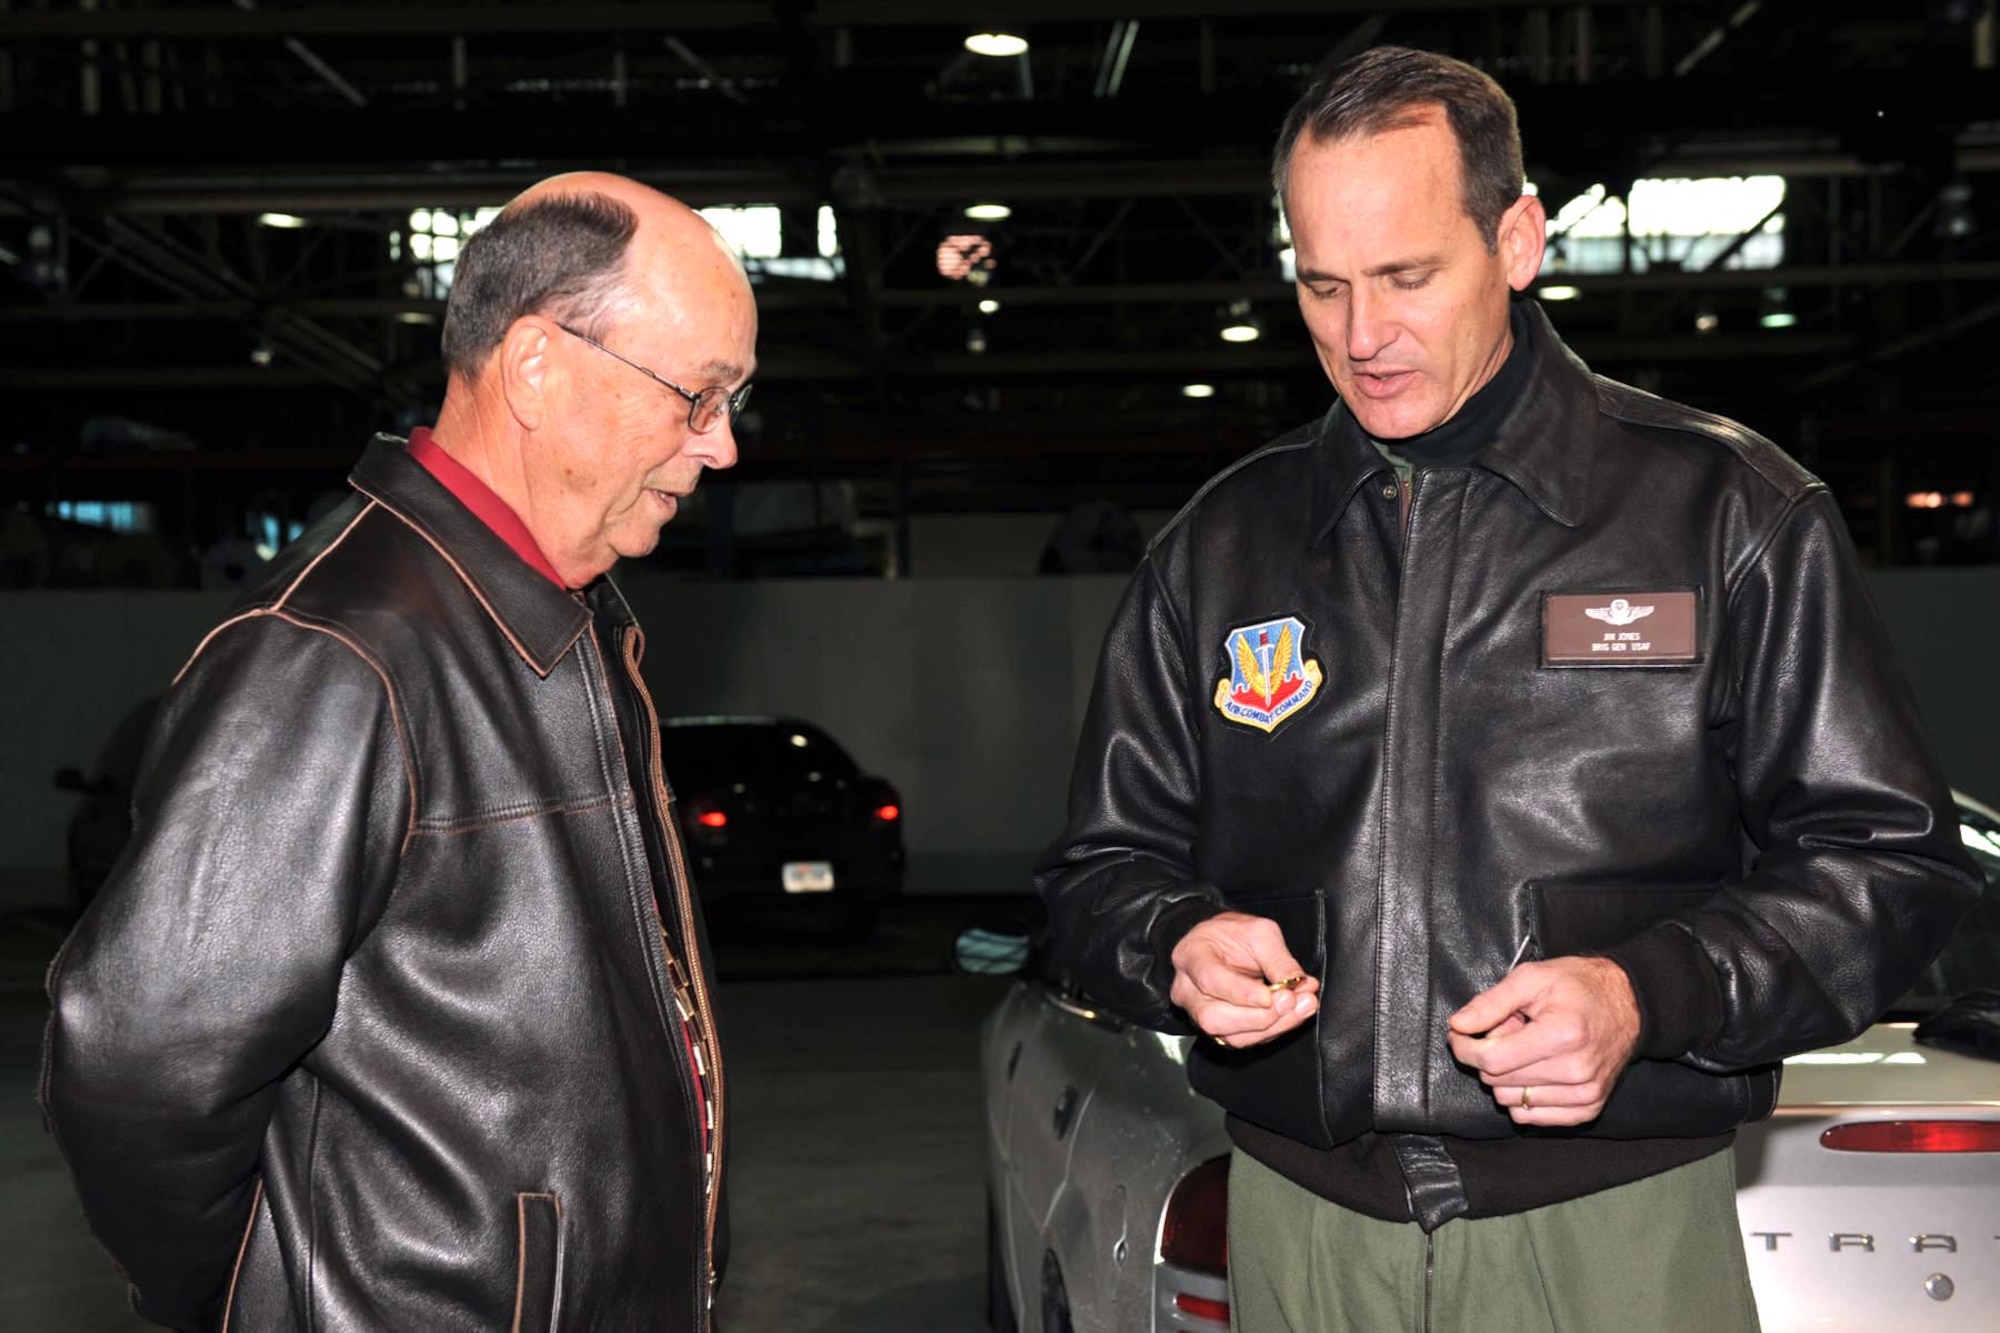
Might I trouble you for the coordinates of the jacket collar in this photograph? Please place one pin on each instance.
(1543, 446)
(541, 620)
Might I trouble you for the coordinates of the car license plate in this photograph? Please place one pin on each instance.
(808, 877)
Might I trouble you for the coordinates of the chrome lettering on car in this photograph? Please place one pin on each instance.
(1863, 1241)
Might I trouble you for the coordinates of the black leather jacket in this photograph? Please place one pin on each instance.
(1749, 823)
(375, 1026)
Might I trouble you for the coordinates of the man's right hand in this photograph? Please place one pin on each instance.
(1224, 971)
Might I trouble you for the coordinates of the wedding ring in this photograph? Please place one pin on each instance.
(1527, 1099)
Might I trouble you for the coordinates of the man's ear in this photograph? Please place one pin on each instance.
(526, 370)
(1524, 234)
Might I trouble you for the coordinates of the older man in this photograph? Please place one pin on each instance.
(1504, 773)
(397, 1012)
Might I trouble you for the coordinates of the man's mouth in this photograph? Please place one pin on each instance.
(667, 500)
(1382, 383)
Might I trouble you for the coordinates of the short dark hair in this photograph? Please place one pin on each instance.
(563, 256)
(1390, 87)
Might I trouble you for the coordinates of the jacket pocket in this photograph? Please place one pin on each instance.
(1275, 1084)
(1578, 918)
(538, 1270)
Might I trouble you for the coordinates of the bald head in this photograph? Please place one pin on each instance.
(582, 248)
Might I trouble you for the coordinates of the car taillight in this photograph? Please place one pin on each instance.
(1196, 1234)
(888, 814)
(1914, 1136)
(1202, 1307)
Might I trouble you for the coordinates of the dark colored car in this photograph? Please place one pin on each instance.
(102, 822)
(775, 813)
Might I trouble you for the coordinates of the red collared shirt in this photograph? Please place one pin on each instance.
(477, 496)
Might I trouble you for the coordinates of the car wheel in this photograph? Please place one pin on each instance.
(999, 1301)
(1055, 1297)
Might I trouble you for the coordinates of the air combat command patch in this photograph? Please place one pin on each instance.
(1270, 677)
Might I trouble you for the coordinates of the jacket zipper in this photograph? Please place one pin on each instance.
(693, 1000)
(1430, 1270)
(1408, 490)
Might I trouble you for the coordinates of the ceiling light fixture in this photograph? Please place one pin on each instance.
(1242, 326)
(1560, 292)
(989, 307)
(989, 212)
(281, 221)
(996, 44)
(1197, 391)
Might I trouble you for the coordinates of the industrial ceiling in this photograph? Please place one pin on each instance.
(147, 299)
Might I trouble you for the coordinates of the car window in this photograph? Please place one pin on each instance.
(708, 752)
(1973, 956)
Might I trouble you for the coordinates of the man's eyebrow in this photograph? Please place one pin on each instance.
(1403, 266)
(721, 372)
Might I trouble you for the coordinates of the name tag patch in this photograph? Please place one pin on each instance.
(1621, 628)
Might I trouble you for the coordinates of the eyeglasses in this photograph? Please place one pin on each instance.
(705, 409)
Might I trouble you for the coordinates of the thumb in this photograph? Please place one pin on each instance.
(1493, 1006)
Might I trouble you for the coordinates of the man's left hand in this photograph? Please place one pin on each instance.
(1551, 1039)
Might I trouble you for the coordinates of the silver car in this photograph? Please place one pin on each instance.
(1870, 1201)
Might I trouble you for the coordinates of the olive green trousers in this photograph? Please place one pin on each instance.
(1659, 1255)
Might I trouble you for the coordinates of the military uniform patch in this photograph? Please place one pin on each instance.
(1270, 677)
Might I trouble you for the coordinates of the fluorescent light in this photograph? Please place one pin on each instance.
(1779, 319)
(999, 44)
(989, 307)
(1197, 391)
(1241, 333)
(1707, 322)
(282, 221)
(415, 317)
(989, 212)
(1559, 292)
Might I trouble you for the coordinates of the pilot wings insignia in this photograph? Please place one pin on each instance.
(1270, 677)
(1620, 612)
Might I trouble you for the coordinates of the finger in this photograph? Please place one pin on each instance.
(1219, 1019)
(1491, 1007)
(1525, 1045)
(1298, 1018)
(1216, 978)
(1267, 945)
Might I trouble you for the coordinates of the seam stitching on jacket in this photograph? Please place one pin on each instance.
(341, 635)
(242, 1249)
(331, 547)
(1282, 445)
(477, 823)
(478, 593)
(1764, 544)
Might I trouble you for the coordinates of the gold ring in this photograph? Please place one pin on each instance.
(1527, 1099)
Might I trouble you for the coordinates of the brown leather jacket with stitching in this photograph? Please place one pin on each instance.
(378, 1023)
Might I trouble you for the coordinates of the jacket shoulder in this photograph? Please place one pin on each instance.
(1250, 477)
(1753, 452)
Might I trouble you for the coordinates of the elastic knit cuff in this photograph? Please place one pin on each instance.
(1679, 994)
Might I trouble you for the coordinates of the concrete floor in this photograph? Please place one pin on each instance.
(855, 1168)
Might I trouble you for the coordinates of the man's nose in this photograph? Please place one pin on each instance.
(718, 446)
(1369, 328)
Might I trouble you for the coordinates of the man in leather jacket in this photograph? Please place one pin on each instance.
(1502, 775)
(397, 1011)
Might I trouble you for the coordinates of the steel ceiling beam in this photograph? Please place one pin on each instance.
(475, 20)
(791, 296)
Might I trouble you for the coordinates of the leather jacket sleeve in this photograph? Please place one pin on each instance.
(268, 821)
(1119, 883)
(1859, 875)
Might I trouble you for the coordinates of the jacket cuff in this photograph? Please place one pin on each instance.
(1679, 993)
(1171, 926)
